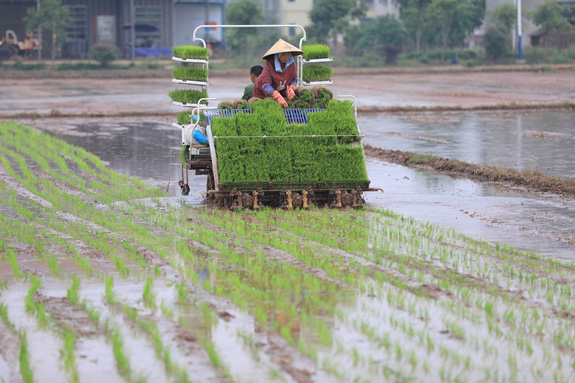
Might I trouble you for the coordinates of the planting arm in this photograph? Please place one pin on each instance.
(280, 99)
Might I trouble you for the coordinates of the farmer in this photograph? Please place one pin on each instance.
(255, 71)
(279, 77)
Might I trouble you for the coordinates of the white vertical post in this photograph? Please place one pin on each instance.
(519, 50)
(39, 34)
(132, 30)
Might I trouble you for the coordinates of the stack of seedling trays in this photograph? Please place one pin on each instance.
(277, 149)
(194, 72)
(316, 73)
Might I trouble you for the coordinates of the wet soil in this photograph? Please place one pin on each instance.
(150, 95)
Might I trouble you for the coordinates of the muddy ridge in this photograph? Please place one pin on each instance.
(164, 66)
(532, 180)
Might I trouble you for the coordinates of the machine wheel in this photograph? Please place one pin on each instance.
(211, 185)
(14, 49)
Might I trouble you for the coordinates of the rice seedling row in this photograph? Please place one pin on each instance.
(358, 294)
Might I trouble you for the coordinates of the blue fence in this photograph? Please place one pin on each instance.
(292, 115)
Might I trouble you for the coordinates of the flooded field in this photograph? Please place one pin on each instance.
(101, 272)
(105, 275)
(520, 140)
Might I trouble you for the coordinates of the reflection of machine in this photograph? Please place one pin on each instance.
(27, 48)
(301, 187)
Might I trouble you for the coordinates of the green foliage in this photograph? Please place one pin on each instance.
(315, 51)
(496, 43)
(242, 12)
(452, 18)
(104, 53)
(187, 96)
(291, 153)
(190, 52)
(19, 65)
(77, 66)
(316, 73)
(542, 55)
(190, 73)
(440, 22)
(549, 17)
(505, 15)
(332, 17)
(54, 17)
(184, 118)
(378, 36)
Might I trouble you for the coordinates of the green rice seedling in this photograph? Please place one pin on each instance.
(148, 295)
(122, 361)
(313, 73)
(110, 295)
(187, 96)
(315, 51)
(72, 292)
(190, 52)
(190, 73)
(24, 359)
(67, 354)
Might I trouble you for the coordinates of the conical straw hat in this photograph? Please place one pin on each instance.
(280, 47)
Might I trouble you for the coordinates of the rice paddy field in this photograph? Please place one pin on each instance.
(104, 278)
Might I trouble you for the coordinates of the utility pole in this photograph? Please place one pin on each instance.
(207, 20)
(132, 30)
(519, 50)
(39, 34)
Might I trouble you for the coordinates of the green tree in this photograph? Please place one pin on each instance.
(412, 14)
(331, 18)
(243, 12)
(505, 17)
(452, 18)
(53, 17)
(385, 35)
(549, 17)
(496, 43)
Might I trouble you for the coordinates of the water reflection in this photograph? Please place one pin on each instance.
(519, 140)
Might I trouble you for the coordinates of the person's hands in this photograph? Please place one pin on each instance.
(291, 92)
(280, 99)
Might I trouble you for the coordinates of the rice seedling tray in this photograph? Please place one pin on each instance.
(190, 82)
(197, 61)
(323, 60)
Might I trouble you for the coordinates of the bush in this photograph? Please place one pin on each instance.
(104, 53)
(19, 65)
(77, 66)
(540, 55)
(496, 43)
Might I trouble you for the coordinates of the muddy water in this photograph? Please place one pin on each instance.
(518, 140)
(523, 220)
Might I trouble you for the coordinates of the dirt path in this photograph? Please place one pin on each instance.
(149, 95)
